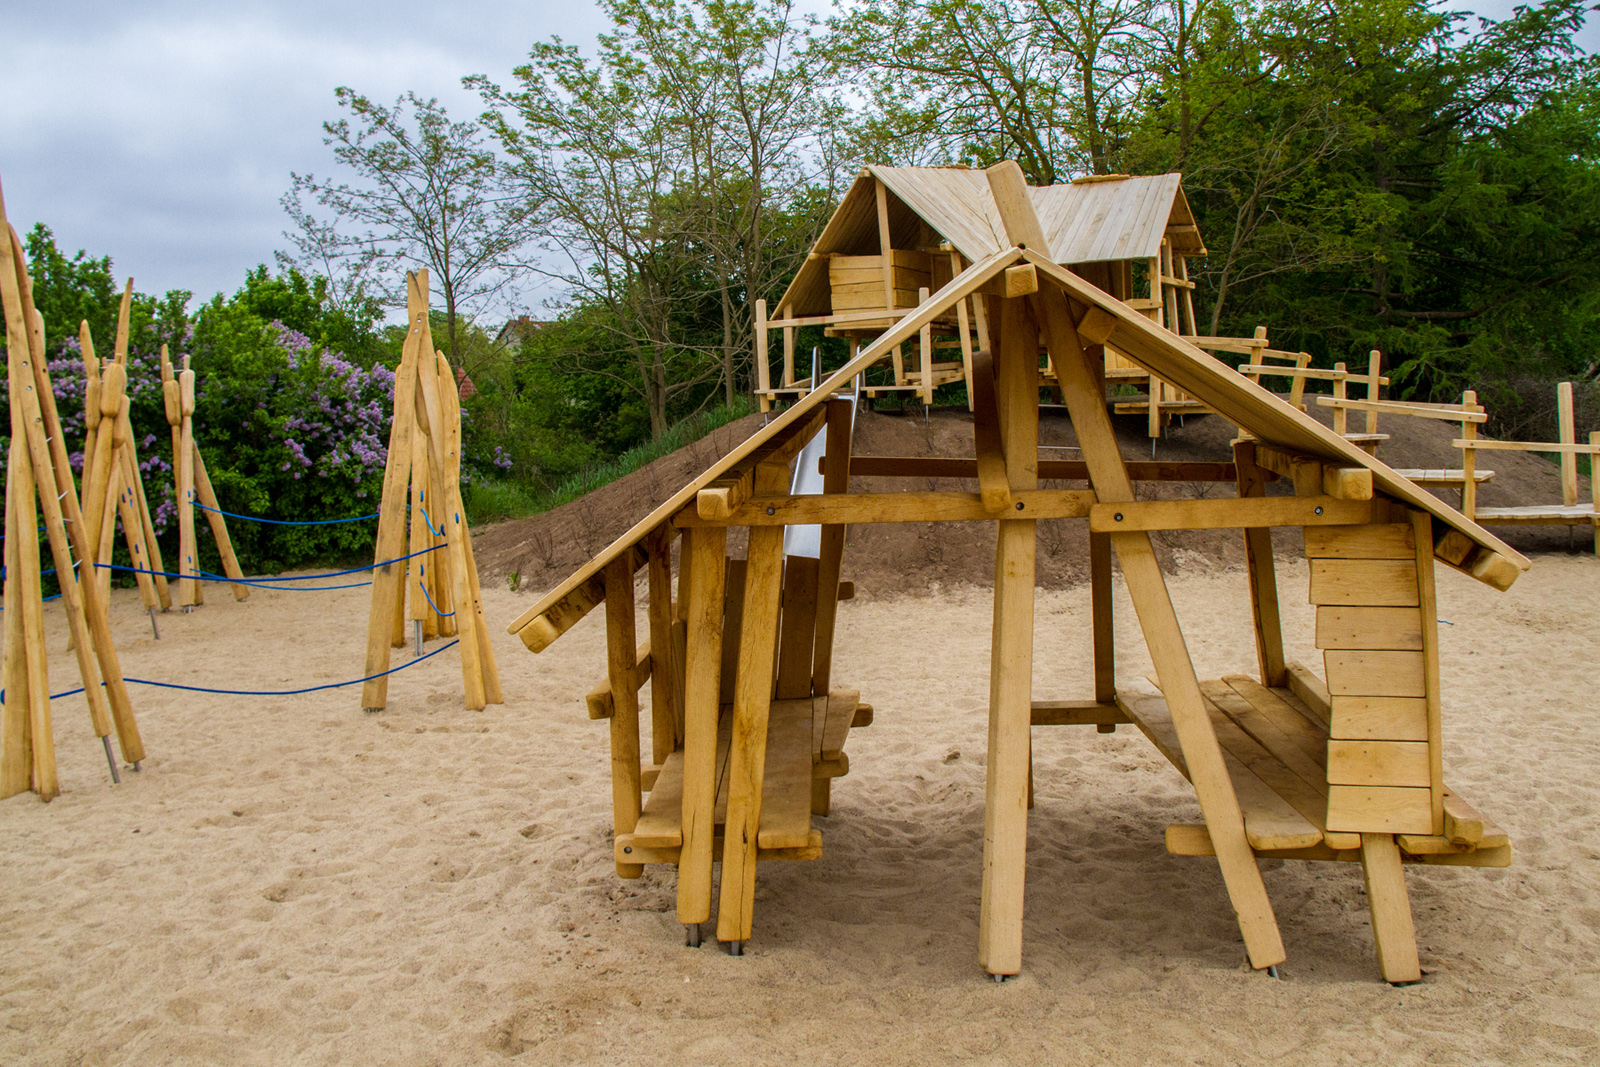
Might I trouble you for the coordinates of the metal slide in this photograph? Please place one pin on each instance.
(807, 540)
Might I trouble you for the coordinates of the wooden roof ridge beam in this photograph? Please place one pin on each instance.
(962, 286)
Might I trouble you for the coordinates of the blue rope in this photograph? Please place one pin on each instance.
(432, 605)
(260, 692)
(282, 522)
(209, 577)
(205, 576)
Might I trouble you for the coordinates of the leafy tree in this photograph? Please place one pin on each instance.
(428, 194)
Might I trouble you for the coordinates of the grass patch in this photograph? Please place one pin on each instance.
(489, 499)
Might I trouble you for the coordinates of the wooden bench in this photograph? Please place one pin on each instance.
(1347, 769)
(1567, 513)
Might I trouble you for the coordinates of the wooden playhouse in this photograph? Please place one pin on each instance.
(901, 233)
(748, 725)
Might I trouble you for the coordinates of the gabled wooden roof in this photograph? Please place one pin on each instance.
(1087, 221)
(1164, 354)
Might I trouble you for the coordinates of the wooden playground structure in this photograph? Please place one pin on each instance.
(746, 718)
(434, 583)
(902, 233)
(40, 473)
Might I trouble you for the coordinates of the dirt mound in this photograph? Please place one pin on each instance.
(884, 559)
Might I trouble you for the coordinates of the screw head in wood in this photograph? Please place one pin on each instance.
(1019, 505)
(772, 511)
(1318, 509)
(1117, 516)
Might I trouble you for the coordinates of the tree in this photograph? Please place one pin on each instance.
(428, 194)
(662, 163)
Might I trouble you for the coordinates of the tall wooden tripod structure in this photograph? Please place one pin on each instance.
(437, 574)
(193, 487)
(39, 469)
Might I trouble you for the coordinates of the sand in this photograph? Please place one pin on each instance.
(290, 881)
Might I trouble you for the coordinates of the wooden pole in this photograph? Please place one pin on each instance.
(388, 577)
(704, 559)
(189, 595)
(747, 753)
(665, 715)
(1008, 767)
(1100, 601)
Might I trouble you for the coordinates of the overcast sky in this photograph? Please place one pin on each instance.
(162, 132)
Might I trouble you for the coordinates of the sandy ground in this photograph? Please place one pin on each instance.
(291, 881)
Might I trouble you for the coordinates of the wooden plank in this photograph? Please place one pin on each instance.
(752, 698)
(660, 822)
(851, 278)
(1242, 513)
(1309, 736)
(1378, 763)
(1052, 469)
(1569, 461)
(1365, 718)
(1269, 820)
(786, 783)
(703, 558)
(1374, 541)
(1380, 809)
(666, 716)
(1392, 929)
(1307, 796)
(1364, 582)
(1369, 628)
(1282, 732)
(797, 628)
(1365, 672)
(838, 719)
(732, 626)
(1311, 691)
(1563, 448)
(1447, 412)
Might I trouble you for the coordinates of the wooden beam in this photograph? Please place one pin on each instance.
(1243, 513)
(621, 667)
(1049, 469)
(993, 486)
(894, 507)
(1260, 567)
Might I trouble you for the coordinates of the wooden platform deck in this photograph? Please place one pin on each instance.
(1278, 754)
(1539, 515)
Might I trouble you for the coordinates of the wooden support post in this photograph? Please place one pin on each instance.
(1568, 428)
(488, 669)
(925, 352)
(1147, 588)
(763, 371)
(1374, 365)
(188, 556)
(1100, 602)
(788, 347)
(621, 650)
(835, 479)
(1469, 460)
(747, 755)
(797, 627)
(704, 560)
(1341, 416)
(389, 578)
(666, 717)
(1260, 568)
(1009, 761)
(964, 325)
(1392, 930)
